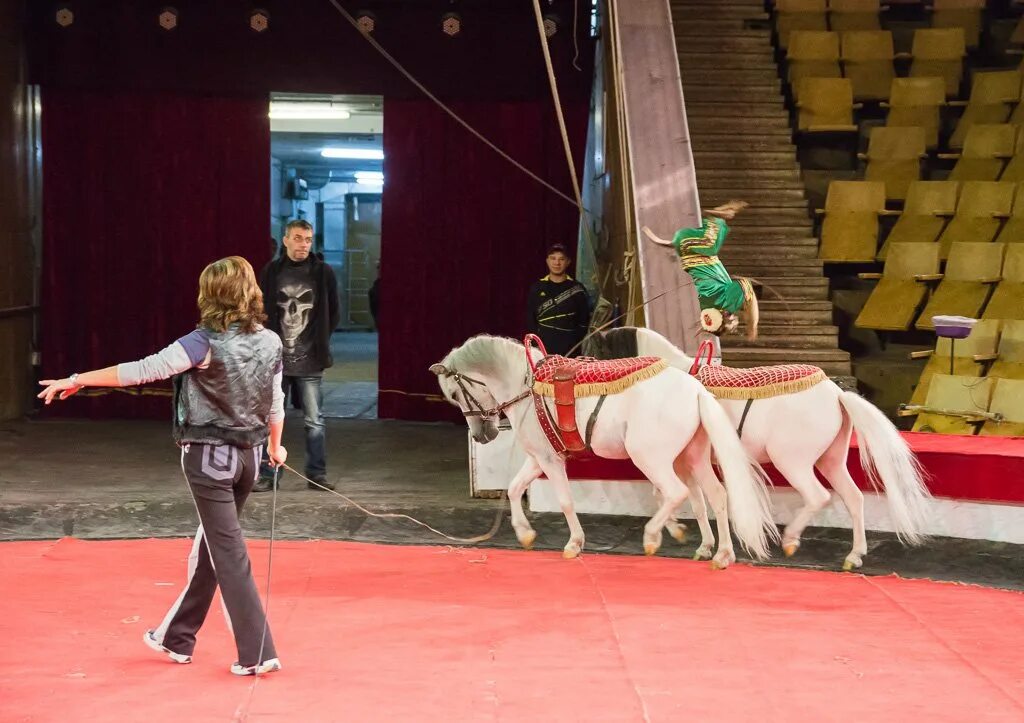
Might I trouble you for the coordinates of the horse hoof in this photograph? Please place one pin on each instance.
(702, 553)
(790, 548)
(528, 539)
(650, 548)
(678, 534)
(716, 565)
(570, 553)
(851, 563)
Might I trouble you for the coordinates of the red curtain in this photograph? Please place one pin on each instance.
(141, 191)
(463, 233)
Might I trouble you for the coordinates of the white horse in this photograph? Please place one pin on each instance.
(665, 424)
(798, 432)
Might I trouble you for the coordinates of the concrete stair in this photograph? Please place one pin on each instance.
(742, 145)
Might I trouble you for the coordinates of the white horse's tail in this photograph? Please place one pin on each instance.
(890, 465)
(745, 482)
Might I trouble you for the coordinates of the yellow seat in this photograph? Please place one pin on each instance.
(915, 102)
(798, 15)
(986, 150)
(1007, 300)
(1008, 400)
(980, 212)
(992, 94)
(929, 204)
(867, 57)
(970, 273)
(1017, 37)
(1009, 363)
(1013, 229)
(939, 52)
(894, 301)
(894, 158)
(825, 106)
(970, 356)
(963, 395)
(963, 14)
(1014, 170)
(811, 54)
(849, 232)
(844, 15)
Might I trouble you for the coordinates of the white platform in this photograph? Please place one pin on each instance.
(492, 467)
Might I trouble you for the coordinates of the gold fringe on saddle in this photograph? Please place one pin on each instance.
(599, 389)
(769, 390)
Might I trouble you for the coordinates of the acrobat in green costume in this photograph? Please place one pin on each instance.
(722, 298)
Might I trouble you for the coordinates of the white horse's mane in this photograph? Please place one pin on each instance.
(486, 354)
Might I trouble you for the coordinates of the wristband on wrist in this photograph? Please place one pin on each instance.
(74, 379)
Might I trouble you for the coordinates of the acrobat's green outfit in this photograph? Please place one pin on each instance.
(697, 249)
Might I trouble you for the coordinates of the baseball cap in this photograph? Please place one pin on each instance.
(552, 248)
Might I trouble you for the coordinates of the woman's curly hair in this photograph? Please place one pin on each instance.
(229, 294)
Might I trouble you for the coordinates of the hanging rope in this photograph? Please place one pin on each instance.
(401, 516)
(454, 116)
(566, 145)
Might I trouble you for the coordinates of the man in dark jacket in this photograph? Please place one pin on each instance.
(558, 309)
(300, 298)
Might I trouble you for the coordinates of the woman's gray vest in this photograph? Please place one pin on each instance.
(229, 401)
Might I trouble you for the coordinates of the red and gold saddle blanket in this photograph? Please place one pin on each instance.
(592, 377)
(759, 382)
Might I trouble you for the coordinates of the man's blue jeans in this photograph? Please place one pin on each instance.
(312, 409)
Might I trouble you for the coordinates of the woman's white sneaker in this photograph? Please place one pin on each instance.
(151, 642)
(267, 666)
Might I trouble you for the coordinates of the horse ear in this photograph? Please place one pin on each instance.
(439, 369)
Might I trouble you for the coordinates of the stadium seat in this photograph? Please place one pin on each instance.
(916, 102)
(867, 57)
(849, 232)
(1007, 300)
(970, 273)
(901, 288)
(986, 150)
(992, 96)
(826, 106)
(928, 205)
(982, 207)
(960, 397)
(1008, 400)
(970, 356)
(939, 52)
(894, 157)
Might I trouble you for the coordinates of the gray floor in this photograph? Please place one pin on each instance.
(350, 386)
(115, 479)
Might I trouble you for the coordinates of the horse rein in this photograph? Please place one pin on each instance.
(477, 409)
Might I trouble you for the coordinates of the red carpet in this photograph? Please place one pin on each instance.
(376, 633)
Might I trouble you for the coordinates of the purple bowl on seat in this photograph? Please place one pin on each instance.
(953, 327)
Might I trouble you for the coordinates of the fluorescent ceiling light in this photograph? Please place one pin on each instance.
(367, 154)
(370, 177)
(280, 110)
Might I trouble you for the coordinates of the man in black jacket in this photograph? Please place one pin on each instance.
(300, 298)
(558, 309)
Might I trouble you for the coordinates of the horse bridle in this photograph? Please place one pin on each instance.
(477, 409)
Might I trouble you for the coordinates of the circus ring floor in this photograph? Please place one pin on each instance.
(370, 632)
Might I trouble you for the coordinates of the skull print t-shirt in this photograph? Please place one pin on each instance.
(296, 299)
